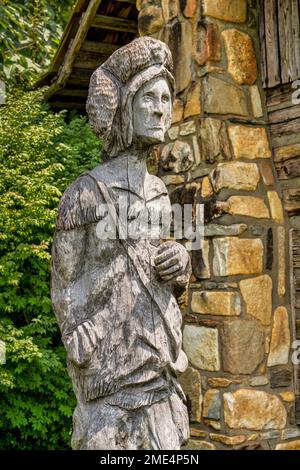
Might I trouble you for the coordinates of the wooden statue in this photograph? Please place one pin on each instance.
(113, 296)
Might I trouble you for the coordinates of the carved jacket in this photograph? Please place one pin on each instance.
(122, 333)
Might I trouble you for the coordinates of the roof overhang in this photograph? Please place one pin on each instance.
(95, 30)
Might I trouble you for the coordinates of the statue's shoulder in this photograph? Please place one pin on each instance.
(109, 172)
(79, 204)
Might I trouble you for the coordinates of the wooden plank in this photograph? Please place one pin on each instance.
(295, 39)
(57, 103)
(78, 82)
(284, 104)
(262, 38)
(88, 60)
(290, 42)
(284, 25)
(296, 261)
(296, 238)
(286, 128)
(115, 24)
(98, 47)
(290, 169)
(282, 40)
(274, 95)
(280, 99)
(297, 299)
(79, 92)
(79, 78)
(291, 198)
(272, 46)
(298, 329)
(284, 115)
(279, 141)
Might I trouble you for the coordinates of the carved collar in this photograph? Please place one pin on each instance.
(131, 176)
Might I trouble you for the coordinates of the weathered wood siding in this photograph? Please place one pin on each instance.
(280, 69)
(280, 37)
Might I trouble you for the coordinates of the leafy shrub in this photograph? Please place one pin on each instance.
(40, 154)
(29, 36)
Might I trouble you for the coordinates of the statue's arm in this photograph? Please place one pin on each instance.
(68, 292)
(70, 288)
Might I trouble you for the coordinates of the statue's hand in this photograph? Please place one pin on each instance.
(172, 263)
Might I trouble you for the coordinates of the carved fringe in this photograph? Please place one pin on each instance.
(129, 400)
(72, 212)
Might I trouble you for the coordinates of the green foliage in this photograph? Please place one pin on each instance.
(40, 155)
(29, 35)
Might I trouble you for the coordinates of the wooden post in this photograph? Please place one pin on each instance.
(86, 21)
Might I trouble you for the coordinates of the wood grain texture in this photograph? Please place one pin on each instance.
(98, 47)
(291, 199)
(114, 23)
(272, 46)
(280, 41)
(289, 169)
(262, 39)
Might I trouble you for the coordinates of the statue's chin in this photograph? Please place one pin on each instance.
(150, 139)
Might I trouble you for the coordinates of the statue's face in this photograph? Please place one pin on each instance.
(152, 111)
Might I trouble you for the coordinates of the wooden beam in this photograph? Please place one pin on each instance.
(79, 78)
(272, 46)
(67, 104)
(285, 44)
(296, 39)
(82, 93)
(298, 329)
(284, 115)
(75, 45)
(291, 198)
(114, 24)
(99, 47)
(89, 61)
(262, 38)
(289, 169)
(285, 128)
(84, 82)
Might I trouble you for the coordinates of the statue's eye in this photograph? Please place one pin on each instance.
(148, 97)
(165, 98)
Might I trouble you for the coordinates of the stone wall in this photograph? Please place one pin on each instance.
(238, 320)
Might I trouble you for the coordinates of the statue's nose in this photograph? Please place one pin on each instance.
(158, 111)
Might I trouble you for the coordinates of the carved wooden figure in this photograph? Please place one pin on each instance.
(113, 296)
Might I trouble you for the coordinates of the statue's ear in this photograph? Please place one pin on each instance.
(102, 103)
